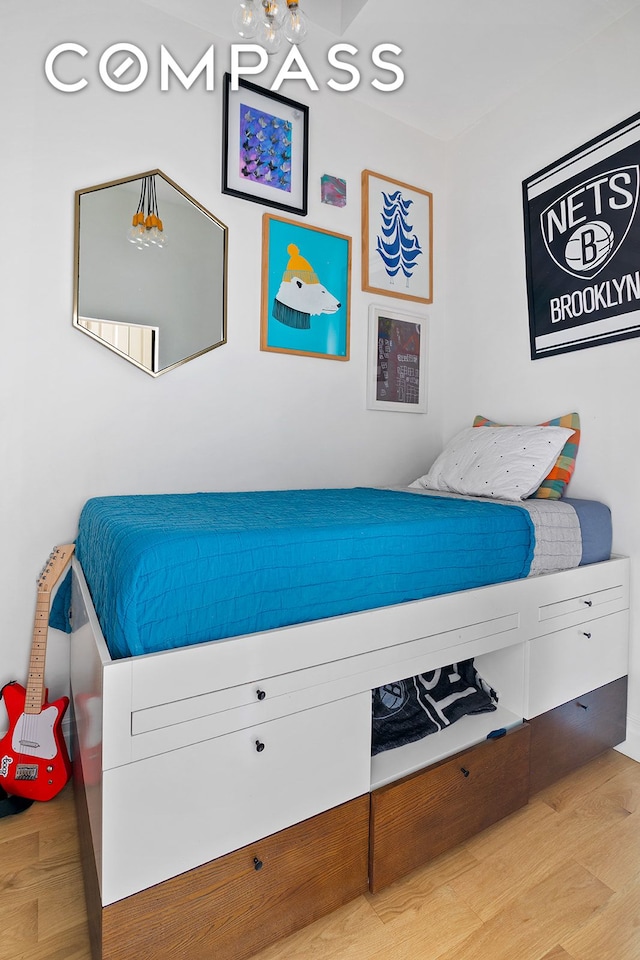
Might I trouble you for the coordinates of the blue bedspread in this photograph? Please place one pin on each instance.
(170, 570)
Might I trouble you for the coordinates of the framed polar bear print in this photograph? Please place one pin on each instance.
(306, 287)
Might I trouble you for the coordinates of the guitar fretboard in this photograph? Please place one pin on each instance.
(34, 697)
(35, 692)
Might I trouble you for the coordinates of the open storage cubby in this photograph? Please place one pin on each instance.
(504, 671)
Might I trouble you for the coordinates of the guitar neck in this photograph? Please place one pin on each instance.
(35, 691)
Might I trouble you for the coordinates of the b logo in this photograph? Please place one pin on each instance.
(392, 698)
(585, 227)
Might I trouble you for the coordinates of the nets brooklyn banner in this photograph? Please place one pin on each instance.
(582, 243)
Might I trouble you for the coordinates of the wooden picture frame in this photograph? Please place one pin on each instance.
(306, 288)
(397, 361)
(265, 155)
(397, 238)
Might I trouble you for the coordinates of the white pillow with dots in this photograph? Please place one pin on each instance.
(505, 464)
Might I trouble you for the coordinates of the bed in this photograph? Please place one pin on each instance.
(225, 647)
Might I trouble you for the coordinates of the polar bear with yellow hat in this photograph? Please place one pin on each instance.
(301, 295)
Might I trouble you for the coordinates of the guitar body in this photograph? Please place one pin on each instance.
(34, 762)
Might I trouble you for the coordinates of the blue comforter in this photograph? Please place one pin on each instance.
(176, 569)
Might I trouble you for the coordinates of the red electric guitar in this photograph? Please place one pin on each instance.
(34, 762)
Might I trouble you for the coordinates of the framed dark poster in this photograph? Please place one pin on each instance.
(397, 365)
(582, 245)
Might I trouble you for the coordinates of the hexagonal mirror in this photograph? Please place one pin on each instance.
(151, 272)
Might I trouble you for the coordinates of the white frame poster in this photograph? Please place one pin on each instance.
(397, 361)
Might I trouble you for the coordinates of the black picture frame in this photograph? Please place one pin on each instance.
(265, 153)
(582, 244)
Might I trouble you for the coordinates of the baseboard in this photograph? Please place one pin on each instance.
(631, 746)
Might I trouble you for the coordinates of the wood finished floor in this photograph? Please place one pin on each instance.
(559, 880)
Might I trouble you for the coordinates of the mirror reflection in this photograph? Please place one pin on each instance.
(151, 268)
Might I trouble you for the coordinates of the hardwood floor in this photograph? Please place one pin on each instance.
(558, 880)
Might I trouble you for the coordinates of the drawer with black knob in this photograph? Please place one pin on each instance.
(236, 905)
(575, 732)
(421, 816)
(564, 664)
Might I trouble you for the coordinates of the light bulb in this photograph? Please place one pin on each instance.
(136, 233)
(160, 238)
(246, 19)
(136, 228)
(269, 36)
(155, 235)
(274, 10)
(295, 24)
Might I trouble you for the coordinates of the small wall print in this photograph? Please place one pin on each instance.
(333, 190)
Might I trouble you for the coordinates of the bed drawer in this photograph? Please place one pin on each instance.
(231, 908)
(574, 596)
(170, 813)
(587, 603)
(418, 818)
(569, 662)
(575, 732)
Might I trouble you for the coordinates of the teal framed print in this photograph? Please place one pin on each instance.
(306, 288)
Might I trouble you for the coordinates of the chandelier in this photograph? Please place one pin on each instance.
(146, 226)
(268, 21)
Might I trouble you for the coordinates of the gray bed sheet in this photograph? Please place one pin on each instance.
(569, 532)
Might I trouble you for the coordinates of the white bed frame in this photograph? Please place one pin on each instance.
(185, 756)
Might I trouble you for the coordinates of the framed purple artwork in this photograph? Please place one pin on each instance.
(265, 147)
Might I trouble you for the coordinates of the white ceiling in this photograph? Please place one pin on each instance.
(461, 58)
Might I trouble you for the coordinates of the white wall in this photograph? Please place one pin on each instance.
(77, 421)
(487, 336)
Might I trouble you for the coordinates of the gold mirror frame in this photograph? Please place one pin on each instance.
(157, 305)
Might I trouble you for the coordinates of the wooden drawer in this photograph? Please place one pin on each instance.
(576, 732)
(170, 813)
(569, 662)
(234, 906)
(418, 818)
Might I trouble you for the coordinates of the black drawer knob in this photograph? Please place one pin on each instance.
(464, 771)
(259, 746)
(257, 864)
(589, 603)
(587, 635)
(583, 706)
(260, 694)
